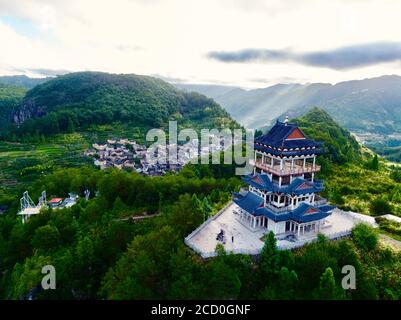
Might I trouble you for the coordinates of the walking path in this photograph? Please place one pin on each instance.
(391, 217)
(387, 241)
(140, 217)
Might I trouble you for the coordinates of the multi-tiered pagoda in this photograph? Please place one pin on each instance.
(282, 195)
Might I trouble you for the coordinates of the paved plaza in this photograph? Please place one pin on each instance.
(238, 238)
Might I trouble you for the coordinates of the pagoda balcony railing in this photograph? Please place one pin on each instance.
(278, 209)
(287, 169)
(287, 208)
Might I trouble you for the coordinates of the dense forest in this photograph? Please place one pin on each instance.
(99, 252)
(76, 101)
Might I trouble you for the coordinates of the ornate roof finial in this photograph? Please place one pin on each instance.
(286, 120)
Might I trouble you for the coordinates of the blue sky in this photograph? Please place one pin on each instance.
(234, 42)
(21, 25)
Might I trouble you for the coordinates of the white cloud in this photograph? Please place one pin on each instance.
(172, 37)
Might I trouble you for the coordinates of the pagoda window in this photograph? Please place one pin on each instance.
(276, 162)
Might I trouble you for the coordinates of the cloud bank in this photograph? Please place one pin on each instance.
(348, 57)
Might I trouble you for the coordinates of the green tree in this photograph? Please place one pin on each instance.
(186, 276)
(380, 206)
(206, 207)
(223, 281)
(46, 238)
(28, 275)
(328, 290)
(374, 164)
(186, 214)
(269, 257)
(365, 237)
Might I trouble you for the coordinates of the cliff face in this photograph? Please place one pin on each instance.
(28, 110)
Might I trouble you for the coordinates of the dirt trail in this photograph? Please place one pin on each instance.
(394, 244)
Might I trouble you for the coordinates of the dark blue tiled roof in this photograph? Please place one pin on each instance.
(260, 181)
(277, 137)
(302, 186)
(249, 202)
(307, 213)
(297, 186)
(327, 208)
(253, 204)
(277, 134)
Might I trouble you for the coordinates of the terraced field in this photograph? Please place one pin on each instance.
(24, 162)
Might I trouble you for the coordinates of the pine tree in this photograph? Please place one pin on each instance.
(206, 208)
(269, 258)
(328, 290)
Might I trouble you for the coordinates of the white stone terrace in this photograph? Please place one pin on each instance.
(203, 239)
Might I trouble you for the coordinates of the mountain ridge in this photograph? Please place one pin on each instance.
(375, 101)
(22, 81)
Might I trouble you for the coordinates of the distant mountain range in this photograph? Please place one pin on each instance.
(22, 81)
(370, 105)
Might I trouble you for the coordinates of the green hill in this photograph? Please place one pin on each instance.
(339, 145)
(75, 101)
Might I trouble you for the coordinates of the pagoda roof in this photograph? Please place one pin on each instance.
(298, 186)
(302, 186)
(259, 181)
(249, 202)
(305, 212)
(287, 139)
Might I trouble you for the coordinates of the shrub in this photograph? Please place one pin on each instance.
(365, 237)
(380, 206)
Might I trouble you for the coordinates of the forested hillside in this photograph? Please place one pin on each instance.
(99, 254)
(339, 145)
(10, 97)
(75, 101)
